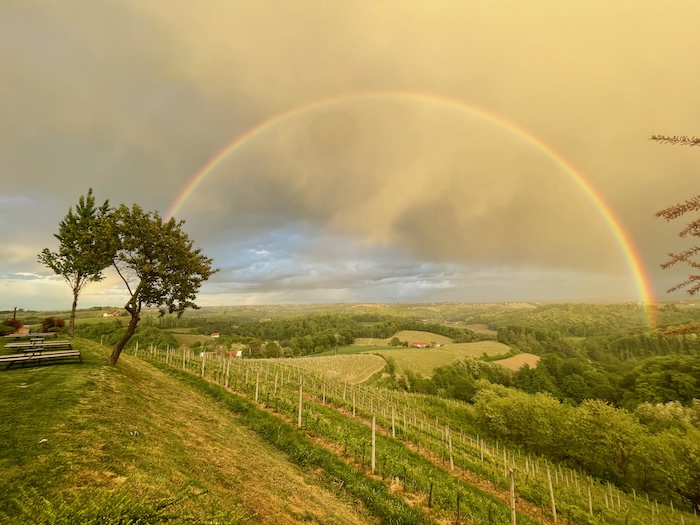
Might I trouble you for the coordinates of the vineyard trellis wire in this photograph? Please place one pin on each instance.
(420, 446)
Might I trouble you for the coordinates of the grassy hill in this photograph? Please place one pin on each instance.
(407, 335)
(425, 360)
(87, 440)
(516, 361)
(146, 442)
(352, 369)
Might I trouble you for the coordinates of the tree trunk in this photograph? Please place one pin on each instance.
(71, 323)
(124, 339)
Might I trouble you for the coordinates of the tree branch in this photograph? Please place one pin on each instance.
(683, 140)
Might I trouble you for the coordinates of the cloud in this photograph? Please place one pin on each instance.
(365, 198)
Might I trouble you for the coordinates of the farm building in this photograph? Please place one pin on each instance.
(419, 344)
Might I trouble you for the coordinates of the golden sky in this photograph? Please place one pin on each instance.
(383, 198)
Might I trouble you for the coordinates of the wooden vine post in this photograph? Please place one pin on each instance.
(257, 385)
(449, 447)
(551, 495)
(459, 500)
(300, 400)
(513, 516)
(374, 444)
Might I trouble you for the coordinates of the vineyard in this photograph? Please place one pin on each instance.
(416, 446)
(351, 369)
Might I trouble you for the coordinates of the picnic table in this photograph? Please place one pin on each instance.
(39, 356)
(37, 350)
(32, 335)
(39, 344)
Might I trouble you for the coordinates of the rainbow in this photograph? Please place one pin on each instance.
(634, 261)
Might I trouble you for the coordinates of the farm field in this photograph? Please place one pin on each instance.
(515, 362)
(481, 328)
(355, 349)
(425, 360)
(351, 369)
(372, 341)
(406, 335)
(188, 339)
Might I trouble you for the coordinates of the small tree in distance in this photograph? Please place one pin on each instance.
(84, 248)
(689, 256)
(158, 264)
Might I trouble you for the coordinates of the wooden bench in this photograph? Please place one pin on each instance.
(39, 356)
(40, 344)
(30, 335)
(55, 345)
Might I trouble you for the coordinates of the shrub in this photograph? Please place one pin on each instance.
(16, 324)
(52, 324)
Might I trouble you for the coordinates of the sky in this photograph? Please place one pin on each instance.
(384, 151)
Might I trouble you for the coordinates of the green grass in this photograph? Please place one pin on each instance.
(425, 360)
(351, 369)
(188, 339)
(130, 442)
(355, 349)
(406, 335)
(390, 509)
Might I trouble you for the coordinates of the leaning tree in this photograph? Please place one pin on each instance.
(85, 248)
(159, 266)
(692, 229)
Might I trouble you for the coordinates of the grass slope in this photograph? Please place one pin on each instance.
(84, 441)
(352, 369)
(515, 362)
(425, 360)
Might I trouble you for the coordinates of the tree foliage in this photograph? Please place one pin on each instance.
(158, 264)
(85, 249)
(607, 442)
(52, 324)
(689, 256)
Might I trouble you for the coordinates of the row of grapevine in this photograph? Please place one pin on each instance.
(415, 443)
